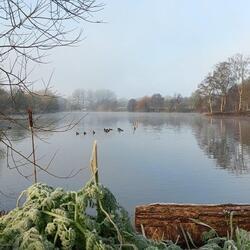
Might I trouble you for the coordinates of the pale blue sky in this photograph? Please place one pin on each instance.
(146, 47)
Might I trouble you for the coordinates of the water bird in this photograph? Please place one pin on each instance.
(77, 133)
(93, 132)
(84, 133)
(120, 130)
(106, 130)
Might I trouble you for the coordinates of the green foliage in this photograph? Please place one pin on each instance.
(241, 241)
(209, 235)
(88, 219)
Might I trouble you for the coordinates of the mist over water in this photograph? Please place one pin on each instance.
(186, 158)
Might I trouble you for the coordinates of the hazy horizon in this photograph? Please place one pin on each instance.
(142, 49)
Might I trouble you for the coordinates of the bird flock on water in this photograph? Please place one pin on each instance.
(107, 130)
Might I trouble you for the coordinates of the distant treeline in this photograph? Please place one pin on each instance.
(157, 103)
(225, 89)
(106, 100)
(17, 101)
(99, 100)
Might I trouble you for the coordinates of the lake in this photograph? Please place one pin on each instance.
(185, 158)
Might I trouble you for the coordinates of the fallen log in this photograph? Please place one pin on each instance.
(180, 221)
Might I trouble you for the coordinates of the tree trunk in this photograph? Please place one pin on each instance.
(221, 104)
(224, 102)
(172, 221)
(210, 105)
(240, 89)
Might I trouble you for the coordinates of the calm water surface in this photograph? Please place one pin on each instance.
(186, 158)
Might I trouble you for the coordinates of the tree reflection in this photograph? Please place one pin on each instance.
(227, 141)
(146, 121)
(158, 122)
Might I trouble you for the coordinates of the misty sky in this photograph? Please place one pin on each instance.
(146, 47)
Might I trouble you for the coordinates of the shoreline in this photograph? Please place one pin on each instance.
(237, 114)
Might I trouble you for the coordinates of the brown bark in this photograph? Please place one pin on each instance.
(30, 114)
(224, 102)
(221, 104)
(210, 105)
(240, 89)
(168, 221)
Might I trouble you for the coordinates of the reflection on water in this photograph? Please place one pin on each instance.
(227, 141)
(168, 158)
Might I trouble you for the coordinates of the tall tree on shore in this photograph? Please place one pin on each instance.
(143, 104)
(106, 100)
(207, 89)
(223, 78)
(131, 105)
(78, 99)
(246, 96)
(241, 70)
(156, 102)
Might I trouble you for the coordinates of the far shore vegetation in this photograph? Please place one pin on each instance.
(225, 90)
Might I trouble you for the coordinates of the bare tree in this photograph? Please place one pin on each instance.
(207, 89)
(156, 102)
(131, 105)
(247, 94)
(105, 100)
(224, 78)
(101, 100)
(29, 29)
(78, 99)
(241, 69)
